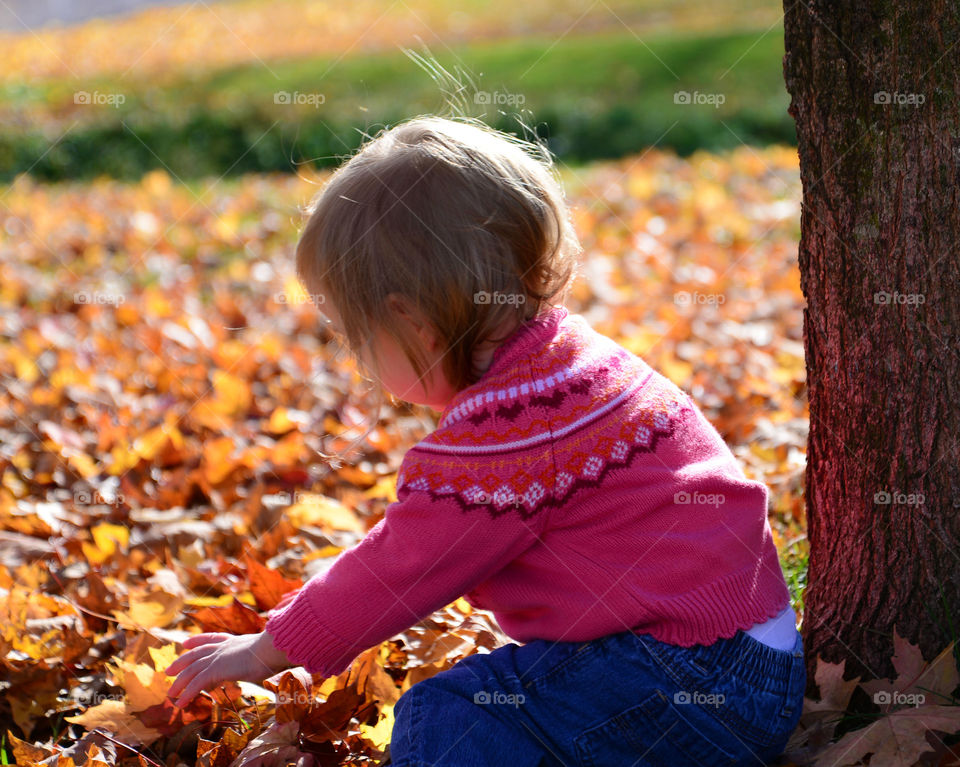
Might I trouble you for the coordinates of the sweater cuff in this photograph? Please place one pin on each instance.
(298, 632)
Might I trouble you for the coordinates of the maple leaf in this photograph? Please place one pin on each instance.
(328, 513)
(276, 746)
(378, 735)
(909, 712)
(149, 607)
(27, 753)
(119, 719)
(917, 681)
(144, 685)
(269, 586)
(293, 690)
(820, 717)
(237, 618)
(898, 737)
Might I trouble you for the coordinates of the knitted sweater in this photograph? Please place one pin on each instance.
(574, 492)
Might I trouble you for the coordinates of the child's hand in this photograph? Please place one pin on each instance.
(214, 658)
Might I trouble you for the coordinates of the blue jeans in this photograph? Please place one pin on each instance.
(623, 699)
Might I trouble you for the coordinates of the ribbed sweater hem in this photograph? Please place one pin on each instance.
(307, 642)
(692, 624)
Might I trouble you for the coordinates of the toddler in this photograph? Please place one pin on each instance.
(569, 488)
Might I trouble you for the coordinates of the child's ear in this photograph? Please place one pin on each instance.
(407, 313)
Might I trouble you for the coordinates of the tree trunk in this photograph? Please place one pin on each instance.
(874, 93)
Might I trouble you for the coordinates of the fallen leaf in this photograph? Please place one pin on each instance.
(325, 512)
(117, 718)
(235, 619)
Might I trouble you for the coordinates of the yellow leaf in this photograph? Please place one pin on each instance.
(123, 458)
(328, 513)
(153, 608)
(224, 600)
(232, 394)
(767, 454)
(379, 735)
(149, 445)
(294, 292)
(26, 368)
(280, 421)
(386, 487)
(641, 342)
(143, 686)
(163, 656)
(216, 460)
(157, 183)
(226, 226)
(105, 539)
(289, 450)
(105, 534)
(332, 426)
(327, 551)
(117, 718)
(157, 303)
(83, 464)
(676, 370)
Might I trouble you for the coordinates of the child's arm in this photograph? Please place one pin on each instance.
(421, 556)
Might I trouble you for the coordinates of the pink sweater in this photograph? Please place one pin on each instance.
(575, 492)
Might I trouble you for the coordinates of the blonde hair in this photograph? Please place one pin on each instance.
(466, 224)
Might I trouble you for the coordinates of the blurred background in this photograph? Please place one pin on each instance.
(155, 156)
(235, 87)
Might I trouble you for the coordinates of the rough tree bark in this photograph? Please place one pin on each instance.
(874, 93)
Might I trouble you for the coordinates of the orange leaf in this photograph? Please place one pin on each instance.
(235, 619)
(268, 586)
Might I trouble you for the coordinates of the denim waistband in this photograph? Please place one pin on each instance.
(756, 663)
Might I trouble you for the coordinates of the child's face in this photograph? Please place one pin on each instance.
(397, 375)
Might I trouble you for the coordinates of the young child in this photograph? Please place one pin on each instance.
(569, 488)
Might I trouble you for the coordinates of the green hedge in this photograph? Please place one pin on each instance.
(215, 143)
(591, 97)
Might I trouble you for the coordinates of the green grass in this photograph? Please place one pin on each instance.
(795, 561)
(592, 96)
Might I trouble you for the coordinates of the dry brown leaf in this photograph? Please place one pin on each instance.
(119, 720)
(898, 738)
